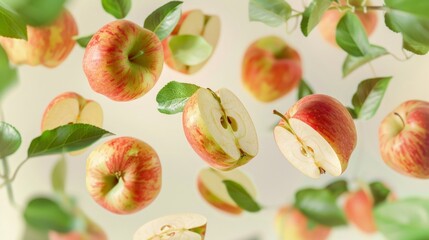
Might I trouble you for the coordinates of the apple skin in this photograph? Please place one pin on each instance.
(123, 175)
(109, 65)
(270, 69)
(94, 232)
(291, 224)
(358, 209)
(404, 140)
(329, 21)
(48, 46)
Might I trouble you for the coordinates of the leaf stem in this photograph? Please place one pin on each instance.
(7, 182)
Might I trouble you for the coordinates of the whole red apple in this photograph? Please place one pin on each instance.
(123, 61)
(404, 139)
(271, 69)
(123, 175)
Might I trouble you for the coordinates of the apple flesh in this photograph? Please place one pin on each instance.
(189, 226)
(123, 61)
(271, 69)
(48, 46)
(213, 190)
(404, 139)
(219, 129)
(123, 175)
(317, 135)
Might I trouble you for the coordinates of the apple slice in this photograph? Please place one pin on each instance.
(219, 129)
(317, 135)
(213, 190)
(189, 226)
(192, 23)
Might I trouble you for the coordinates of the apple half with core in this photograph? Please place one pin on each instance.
(219, 129)
(271, 69)
(189, 226)
(213, 190)
(123, 61)
(123, 175)
(404, 139)
(317, 135)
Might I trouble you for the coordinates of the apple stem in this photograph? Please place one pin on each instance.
(402, 120)
(322, 171)
(140, 53)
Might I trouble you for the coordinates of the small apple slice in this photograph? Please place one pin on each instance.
(213, 190)
(219, 129)
(91, 113)
(317, 135)
(188, 226)
(193, 23)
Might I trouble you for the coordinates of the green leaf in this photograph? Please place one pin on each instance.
(405, 219)
(241, 197)
(320, 206)
(415, 47)
(271, 12)
(67, 138)
(163, 20)
(352, 112)
(338, 187)
(304, 89)
(351, 35)
(83, 40)
(45, 214)
(172, 97)
(368, 96)
(379, 192)
(117, 8)
(58, 175)
(39, 12)
(352, 63)
(11, 24)
(190, 49)
(313, 14)
(10, 139)
(8, 74)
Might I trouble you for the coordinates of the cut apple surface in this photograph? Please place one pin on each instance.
(188, 226)
(317, 135)
(193, 23)
(219, 129)
(213, 190)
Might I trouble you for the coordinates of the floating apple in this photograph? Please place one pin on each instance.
(189, 226)
(193, 22)
(329, 21)
(219, 129)
(317, 135)
(213, 190)
(123, 61)
(123, 175)
(271, 69)
(404, 139)
(48, 46)
(358, 209)
(93, 232)
(291, 224)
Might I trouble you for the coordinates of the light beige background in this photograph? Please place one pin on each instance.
(274, 177)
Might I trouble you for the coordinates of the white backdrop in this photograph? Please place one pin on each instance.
(275, 179)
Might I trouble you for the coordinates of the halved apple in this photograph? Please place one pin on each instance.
(317, 135)
(213, 190)
(189, 226)
(219, 129)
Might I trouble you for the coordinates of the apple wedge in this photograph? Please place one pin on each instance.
(192, 22)
(213, 190)
(317, 135)
(219, 129)
(189, 226)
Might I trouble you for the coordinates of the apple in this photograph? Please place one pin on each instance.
(123, 175)
(48, 45)
(93, 232)
(193, 22)
(291, 224)
(219, 129)
(404, 139)
(123, 61)
(317, 135)
(329, 21)
(270, 69)
(213, 190)
(358, 209)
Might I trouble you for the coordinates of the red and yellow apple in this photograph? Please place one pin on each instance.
(329, 21)
(358, 209)
(92, 232)
(123, 61)
(219, 129)
(317, 135)
(291, 224)
(123, 175)
(48, 45)
(404, 139)
(270, 69)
